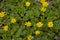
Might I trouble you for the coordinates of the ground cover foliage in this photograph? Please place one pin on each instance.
(21, 21)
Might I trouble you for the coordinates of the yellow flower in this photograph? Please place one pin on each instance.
(50, 24)
(41, 1)
(37, 32)
(29, 37)
(13, 20)
(27, 4)
(28, 24)
(45, 4)
(2, 14)
(39, 24)
(43, 9)
(5, 28)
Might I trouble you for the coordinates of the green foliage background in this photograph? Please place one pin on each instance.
(17, 9)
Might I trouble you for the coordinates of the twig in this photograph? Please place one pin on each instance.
(5, 20)
(1, 3)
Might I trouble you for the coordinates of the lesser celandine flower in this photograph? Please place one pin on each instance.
(5, 28)
(13, 20)
(28, 24)
(2, 14)
(37, 33)
(41, 1)
(45, 4)
(50, 24)
(43, 9)
(39, 24)
(29, 37)
(27, 4)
